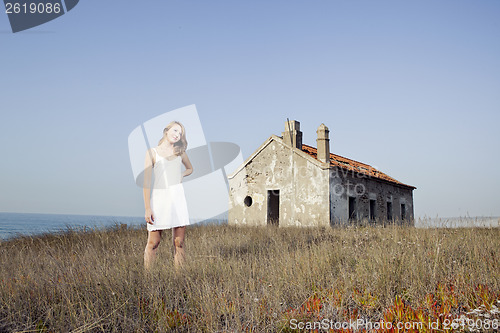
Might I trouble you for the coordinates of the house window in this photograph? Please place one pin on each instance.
(352, 208)
(372, 209)
(248, 201)
(389, 210)
(403, 211)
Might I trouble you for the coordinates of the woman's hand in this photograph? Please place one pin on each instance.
(149, 217)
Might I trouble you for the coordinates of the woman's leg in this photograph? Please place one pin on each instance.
(178, 240)
(154, 238)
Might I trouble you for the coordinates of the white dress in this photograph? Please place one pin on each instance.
(168, 202)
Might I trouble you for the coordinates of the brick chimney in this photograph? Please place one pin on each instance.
(292, 134)
(323, 142)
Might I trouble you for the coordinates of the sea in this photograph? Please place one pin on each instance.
(30, 224)
(458, 222)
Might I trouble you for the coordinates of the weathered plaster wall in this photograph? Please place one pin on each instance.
(311, 206)
(344, 184)
(269, 170)
(303, 187)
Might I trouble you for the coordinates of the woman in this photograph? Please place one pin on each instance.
(166, 205)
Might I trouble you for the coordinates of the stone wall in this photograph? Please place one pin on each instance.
(345, 184)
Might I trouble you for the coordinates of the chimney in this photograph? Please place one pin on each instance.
(323, 142)
(292, 134)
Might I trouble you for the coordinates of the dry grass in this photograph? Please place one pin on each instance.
(244, 279)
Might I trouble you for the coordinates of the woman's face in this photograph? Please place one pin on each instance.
(174, 133)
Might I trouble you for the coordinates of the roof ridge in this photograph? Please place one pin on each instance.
(347, 158)
(370, 171)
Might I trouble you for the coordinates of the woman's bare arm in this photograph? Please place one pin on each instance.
(187, 164)
(148, 166)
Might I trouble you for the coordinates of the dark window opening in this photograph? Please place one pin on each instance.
(273, 207)
(248, 201)
(372, 210)
(352, 208)
(389, 211)
(403, 211)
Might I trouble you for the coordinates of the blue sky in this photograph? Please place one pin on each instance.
(409, 87)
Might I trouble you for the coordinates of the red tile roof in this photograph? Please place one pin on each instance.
(355, 166)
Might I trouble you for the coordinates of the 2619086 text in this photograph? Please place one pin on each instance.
(33, 8)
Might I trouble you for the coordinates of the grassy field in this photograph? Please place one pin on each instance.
(244, 279)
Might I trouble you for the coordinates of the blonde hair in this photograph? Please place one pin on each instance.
(181, 145)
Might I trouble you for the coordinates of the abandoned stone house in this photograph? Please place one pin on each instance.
(287, 183)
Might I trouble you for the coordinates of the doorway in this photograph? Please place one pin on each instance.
(273, 207)
(352, 209)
